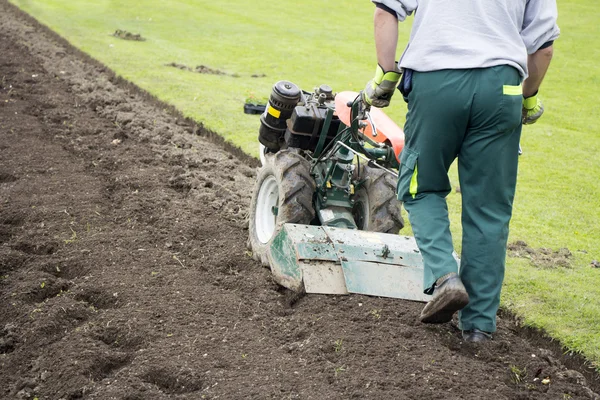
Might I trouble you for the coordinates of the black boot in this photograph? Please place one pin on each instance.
(476, 336)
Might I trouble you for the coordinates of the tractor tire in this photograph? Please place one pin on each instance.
(283, 193)
(376, 206)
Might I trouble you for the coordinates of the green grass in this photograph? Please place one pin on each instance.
(238, 38)
(314, 42)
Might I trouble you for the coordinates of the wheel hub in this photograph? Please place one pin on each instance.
(360, 211)
(266, 209)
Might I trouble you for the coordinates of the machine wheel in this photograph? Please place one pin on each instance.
(262, 151)
(376, 207)
(283, 193)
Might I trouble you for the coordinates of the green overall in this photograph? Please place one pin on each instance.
(475, 115)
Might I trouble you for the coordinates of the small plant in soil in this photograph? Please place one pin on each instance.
(337, 345)
(339, 370)
(73, 237)
(517, 375)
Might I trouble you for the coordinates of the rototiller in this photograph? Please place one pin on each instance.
(324, 214)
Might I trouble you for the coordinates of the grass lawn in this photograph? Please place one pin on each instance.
(314, 42)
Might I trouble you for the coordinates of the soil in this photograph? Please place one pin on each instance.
(125, 275)
(121, 34)
(543, 257)
(201, 69)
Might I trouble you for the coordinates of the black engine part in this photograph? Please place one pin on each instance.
(306, 122)
(284, 98)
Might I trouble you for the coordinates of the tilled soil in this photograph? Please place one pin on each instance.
(124, 272)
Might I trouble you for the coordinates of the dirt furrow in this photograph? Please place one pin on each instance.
(124, 272)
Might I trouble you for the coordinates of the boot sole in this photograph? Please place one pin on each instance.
(444, 307)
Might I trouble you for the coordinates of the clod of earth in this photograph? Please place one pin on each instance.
(203, 69)
(128, 35)
(542, 257)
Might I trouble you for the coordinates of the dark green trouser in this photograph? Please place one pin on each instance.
(474, 115)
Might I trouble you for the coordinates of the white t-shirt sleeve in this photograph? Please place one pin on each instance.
(403, 8)
(539, 24)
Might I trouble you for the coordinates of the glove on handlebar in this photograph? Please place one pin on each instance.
(532, 109)
(380, 89)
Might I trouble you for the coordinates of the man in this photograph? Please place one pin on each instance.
(472, 69)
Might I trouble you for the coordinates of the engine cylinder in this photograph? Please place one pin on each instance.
(284, 98)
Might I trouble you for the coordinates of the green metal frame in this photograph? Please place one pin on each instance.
(332, 168)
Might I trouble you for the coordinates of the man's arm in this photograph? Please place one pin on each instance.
(386, 38)
(537, 64)
(381, 88)
(539, 31)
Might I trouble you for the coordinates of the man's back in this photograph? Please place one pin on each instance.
(462, 34)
